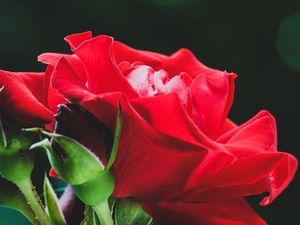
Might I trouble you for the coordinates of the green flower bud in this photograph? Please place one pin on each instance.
(77, 165)
(16, 162)
(72, 161)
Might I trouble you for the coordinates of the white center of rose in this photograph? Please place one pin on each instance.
(147, 82)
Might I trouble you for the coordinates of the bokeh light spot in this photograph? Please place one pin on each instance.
(288, 41)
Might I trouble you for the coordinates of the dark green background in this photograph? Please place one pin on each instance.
(259, 40)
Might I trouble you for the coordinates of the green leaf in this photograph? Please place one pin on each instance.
(11, 197)
(51, 201)
(128, 211)
(117, 137)
(90, 217)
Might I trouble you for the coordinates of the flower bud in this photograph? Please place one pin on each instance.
(72, 161)
(16, 162)
(92, 182)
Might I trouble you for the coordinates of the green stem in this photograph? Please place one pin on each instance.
(34, 201)
(30, 216)
(103, 212)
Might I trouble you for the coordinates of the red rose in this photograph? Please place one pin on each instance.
(179, 153)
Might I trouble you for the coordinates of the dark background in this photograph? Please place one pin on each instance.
(259, 40)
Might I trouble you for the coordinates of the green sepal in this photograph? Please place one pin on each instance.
(16, 164)
(117, 136)
(87, 191)
(3, 138)
(128, 211)
(90, 217)
(12, 197)
(73, 162)
(51, 202)
(16, 161)
(96, 190)
(111, 202)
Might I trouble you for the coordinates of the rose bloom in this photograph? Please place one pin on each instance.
(179, 154)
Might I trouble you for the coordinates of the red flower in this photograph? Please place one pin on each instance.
(179, 153)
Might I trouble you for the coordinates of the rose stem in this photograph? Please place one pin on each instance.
(34, 201)
(103, 212)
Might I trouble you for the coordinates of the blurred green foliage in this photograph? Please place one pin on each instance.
(288, 41)
(259, 40)
(9, 217)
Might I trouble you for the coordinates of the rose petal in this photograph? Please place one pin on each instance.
(179, 84)
(23, 97)
(141, 78)
(181, 61)
(171, 117)
(52, 173)
(280, 177)
(264, 172)
(256, 135)
(212, 98)
(233, 212)
(74, 40)
(68, 83)
(248, 170)
(102, 71)
(54, 98)
(51, 59)
(131, 55)
(184, 61)
(73, 60)
(149, 164)
(227, 126)
(200, 178)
